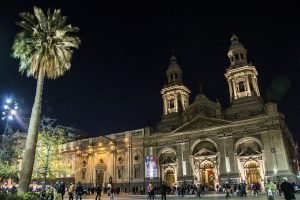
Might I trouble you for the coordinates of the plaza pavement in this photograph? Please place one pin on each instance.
(187, 197)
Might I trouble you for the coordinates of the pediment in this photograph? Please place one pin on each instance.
(204, 152)
(201, 122)
(249, 151)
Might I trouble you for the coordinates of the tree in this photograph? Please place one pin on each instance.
(45, 47)
(49, 162)
(8, 156)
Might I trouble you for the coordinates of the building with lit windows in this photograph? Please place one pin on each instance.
(195, 143)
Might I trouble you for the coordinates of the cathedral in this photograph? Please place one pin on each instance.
(197, 142)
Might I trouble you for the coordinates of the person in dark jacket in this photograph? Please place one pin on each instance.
(287, 189)
(98, 192)
(163, 191)
(79, 191)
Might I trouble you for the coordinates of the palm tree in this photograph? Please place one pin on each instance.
(45, 47)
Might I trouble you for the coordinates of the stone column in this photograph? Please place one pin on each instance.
(234, 89)
(230, 88)
(185, 172)
(256, 85)
(176, 103)
(165, 105)
(248, 86)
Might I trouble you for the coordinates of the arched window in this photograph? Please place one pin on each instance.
(171, 103)
(242, 86)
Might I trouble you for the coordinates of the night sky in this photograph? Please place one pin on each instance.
(117, 73)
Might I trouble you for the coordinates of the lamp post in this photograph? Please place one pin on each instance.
(10, 108)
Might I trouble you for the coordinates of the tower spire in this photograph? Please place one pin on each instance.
(241, 76)
(237, 53)
(175, 95)
(174, 72)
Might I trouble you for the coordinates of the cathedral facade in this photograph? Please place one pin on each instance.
(195, 143)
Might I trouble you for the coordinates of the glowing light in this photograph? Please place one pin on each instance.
(8, 100)
(10, 117)
(13, 112)
(5, 107)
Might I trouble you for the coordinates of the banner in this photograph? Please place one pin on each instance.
(151, 167)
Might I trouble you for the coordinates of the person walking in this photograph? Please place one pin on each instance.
(71, 190)
(58, 190)
(199, 191)
(287, 189)
(270, 188)
(110, 193)
(228, 189)
(63, 189)
(79, 191)
(163, 191)
(98, 192)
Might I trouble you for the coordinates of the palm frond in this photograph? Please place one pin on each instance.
(45, 43)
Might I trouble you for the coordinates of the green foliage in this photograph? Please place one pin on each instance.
(7, 171)
(8, 157)
(48, 146)
(45, 43)
(8, 153)
(5, 196)
(31, 196)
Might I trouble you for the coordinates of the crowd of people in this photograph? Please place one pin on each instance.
(75, 191)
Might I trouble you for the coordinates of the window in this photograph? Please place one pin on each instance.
(120, 172)
(242, 86)
(236, 56)
(83, 174)
(231, 58)
(136, 157)
(136, 171)
(171, 103)
(176, 76)
(242, 56)
(172, 76)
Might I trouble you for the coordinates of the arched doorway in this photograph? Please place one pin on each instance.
(207, 173)
(100, 178)
(205, 163)
(170, 177)
(252, 172)
(249, 152)
(168, 166)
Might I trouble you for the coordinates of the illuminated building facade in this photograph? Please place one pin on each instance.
(195, 143)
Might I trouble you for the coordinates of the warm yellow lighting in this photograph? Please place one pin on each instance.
(126, 139)
(100, 144)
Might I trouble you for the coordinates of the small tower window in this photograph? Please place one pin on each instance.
(171, 103)
(231, 58)
(241, 86)
(176, 76)
(172, 76)
(242, 56)
(236, 56)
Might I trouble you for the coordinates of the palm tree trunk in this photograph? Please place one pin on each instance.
(29, 154)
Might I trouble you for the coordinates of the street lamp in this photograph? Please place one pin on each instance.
(9, 111)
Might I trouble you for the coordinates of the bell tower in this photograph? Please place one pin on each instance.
(241, 75)
(175, 95)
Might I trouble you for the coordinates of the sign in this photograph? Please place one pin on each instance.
(151, 166)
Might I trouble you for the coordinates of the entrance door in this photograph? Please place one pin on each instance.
(208, 178)
(100, 178)
(170, 178)
(252, 172)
